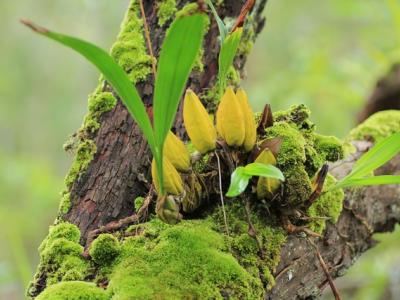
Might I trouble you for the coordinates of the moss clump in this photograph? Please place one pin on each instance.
(185, 261)
(60, 257)
(130, 50)
(166, 10)
(138, 202)
(187, 10)
(74, 290)
(84, 155)
(329, 147)
(65, 203)
(302, 153)
(99, 103)
(328, 205)
(104, 249)
(377, 127)
(259, 256)
(292, 151)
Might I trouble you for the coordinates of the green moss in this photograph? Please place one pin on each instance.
(297, 186)
(185, 261)
(130, 50)
(60, 257)
(328, 205)
(329, 147)
(246, 249)
(377, 127)
(84, 155)
(292, 150)
(74, 291)
(104, 249)
(65, 203)
(187, 10)
(138, 202)
(166, 10)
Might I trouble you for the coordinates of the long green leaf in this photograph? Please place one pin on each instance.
(373, 180)
(223, 31)
(263, 170)
(227, 54)
(178, 54)
(114, 74)
(239, 182)
(376, 156)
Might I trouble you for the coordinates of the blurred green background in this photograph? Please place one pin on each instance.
(326, 54)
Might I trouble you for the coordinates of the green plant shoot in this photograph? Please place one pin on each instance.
(241, 176)
(178, 54)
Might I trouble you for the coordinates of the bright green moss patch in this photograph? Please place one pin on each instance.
(261, 255)
(104, 249)
(328, 205)
(60, 257)
(74, 290)
(130, 50)
(65, 203)
(329, 147)
(166, 10)
(84, 155)
(99, 103)
(185, 261)
(377, 127)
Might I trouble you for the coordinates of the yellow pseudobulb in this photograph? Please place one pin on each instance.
(198, 124)
(230, 119)
(176, 152)
(250, 123)
(172, 180)
(266, 187)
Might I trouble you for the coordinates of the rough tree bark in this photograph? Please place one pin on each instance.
(119, 172)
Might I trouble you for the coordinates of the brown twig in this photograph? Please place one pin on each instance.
(326, 271)
(243, 13)
(147, 34)
(33, 26)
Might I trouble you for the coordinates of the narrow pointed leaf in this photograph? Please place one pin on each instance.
(178, 54)
(373, 180)
(227, 54)
(239, 182)
(115, 75)
(263, 170)
(223, 31)
(377, 156)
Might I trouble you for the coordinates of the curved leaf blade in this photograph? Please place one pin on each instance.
(378, 155)
(114, 74)
(263, 170)
(178, 54)
(373, 180)
(239, 182)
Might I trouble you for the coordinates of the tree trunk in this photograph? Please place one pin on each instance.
(116, 171)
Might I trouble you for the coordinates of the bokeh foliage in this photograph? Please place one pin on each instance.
(326, 54)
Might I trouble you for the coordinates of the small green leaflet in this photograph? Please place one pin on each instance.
(241, 176)
(227, 54)
(223, 31)
(377, 156)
